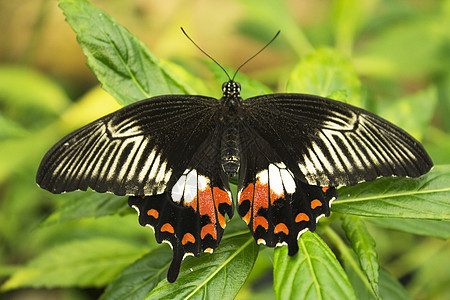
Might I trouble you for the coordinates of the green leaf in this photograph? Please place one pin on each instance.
(324, 73)
(80, 204)
(412, 113)
(408, 48)
(313, 273)
(426, 197)
(123, 64)
(352, 266)
(87, 263)
(10, 129)
(24, 88)
(434, 228)
(261, 15)
(29, 98)
(347, 18)
(390, 288)
(364, 246)
(213, 276)
(138, 279)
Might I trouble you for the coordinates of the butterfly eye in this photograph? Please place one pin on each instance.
(224, 86)
(238, 86)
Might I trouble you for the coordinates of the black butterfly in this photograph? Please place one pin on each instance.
(173, 156)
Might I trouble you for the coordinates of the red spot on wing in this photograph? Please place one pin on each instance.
(260, 221)
(325, 188)
(315, 203)
(167, 227)
(209, 229)
(301, 217)
(261, 198)
(247, 194)
(153, 213)
(188, 238)
(281, 227)
(221, 196)
(206, 204)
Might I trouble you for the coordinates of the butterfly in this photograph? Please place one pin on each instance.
(173, 155)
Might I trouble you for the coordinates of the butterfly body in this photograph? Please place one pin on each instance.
(173, 155)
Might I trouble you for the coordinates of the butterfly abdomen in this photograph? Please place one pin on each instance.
(230, 158)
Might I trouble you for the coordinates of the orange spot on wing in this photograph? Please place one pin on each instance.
(247, 193)
(261, 198)
(281, 227)
(220, 196)
(301, 217)
(222, 221)
(325, 188)
(315, 203)
(246, 218)
(167, 227)
(188, 237)
(208, 229)
(206, 204)
(153, 213)
(260, 221)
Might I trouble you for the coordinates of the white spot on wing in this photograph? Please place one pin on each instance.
(263, 176)
(288, 181)
(203, 182)
(275, 182)
(190, 189)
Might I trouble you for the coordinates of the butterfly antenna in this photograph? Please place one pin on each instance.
(262, 49)
(205, 53)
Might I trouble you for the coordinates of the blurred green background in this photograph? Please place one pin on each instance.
(399, 48)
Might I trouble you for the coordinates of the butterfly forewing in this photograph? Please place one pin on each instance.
(137, 150)
(329, 143)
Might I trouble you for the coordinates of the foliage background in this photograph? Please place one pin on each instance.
(399, 49)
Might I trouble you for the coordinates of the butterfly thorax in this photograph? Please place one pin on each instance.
(230, 145)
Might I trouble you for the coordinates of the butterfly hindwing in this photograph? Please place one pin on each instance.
(136, 150)
(330, 143)
(190, 214)
(276, 206)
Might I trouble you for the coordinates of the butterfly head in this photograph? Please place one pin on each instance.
(231, 89)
